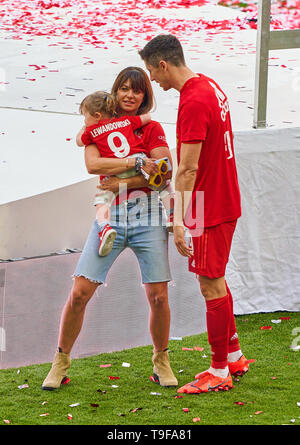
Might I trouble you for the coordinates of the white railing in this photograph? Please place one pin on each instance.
(267, 40)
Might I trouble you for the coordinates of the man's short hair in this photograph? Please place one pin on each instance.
(163, 47)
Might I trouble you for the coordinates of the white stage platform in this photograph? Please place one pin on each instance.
(46, 194)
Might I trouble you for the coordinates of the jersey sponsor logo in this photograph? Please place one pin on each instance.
(163, 138)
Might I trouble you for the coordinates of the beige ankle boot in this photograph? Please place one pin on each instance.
(162, 371)
(58, 371)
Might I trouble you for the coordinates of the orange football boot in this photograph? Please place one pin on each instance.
(240, 367)
(206, 383)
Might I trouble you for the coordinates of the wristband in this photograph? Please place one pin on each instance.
(139, 162)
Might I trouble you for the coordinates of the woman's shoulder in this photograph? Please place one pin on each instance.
(153, 127)
(153, 135)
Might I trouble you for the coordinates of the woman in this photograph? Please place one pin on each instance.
(136, 216)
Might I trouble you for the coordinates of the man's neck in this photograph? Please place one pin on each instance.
(180, 76)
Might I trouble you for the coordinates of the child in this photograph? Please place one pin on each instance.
(103, 129)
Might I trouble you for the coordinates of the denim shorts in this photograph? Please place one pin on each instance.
(141, 225)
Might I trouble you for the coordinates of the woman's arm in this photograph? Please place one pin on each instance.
(97, 165)
(136, 182)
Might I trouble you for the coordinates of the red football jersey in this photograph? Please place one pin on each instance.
(203, 115)
(149, 136)
(115, 138)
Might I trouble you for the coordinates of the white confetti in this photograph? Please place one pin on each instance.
(176, 338)
(126, 365)
(155, 393)
(74, 404)
(114, 386)
(23, 386)
(276, 321)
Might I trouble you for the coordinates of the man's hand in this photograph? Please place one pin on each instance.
(180, 243)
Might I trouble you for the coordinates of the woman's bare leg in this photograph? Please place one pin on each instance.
(73, 312)
(157, 294)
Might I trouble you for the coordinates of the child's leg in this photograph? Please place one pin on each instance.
(102, 202)
(102, 215)
(107, 234)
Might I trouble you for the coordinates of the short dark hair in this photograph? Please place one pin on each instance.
(163, 47)
(139, 81)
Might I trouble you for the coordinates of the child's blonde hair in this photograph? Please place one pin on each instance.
(101, 102)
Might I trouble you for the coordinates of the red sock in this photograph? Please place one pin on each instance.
(218, 321)
(233, 341)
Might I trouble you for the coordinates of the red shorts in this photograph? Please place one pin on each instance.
(211, 250)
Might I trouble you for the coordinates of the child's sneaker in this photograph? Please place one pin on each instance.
(106, 237)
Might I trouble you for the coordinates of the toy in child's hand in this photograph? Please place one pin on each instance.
(164, 167)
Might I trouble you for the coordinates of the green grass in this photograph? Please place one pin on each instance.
(276, 398)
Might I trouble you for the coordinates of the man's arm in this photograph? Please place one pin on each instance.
(184, 186)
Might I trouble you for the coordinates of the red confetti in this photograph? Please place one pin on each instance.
(113, 378)
(70, 417)
(187, 349)
(37, 18)
(178, 397)
(94, 405)
(198, 348)
(258, 412)
(186, 410)
(285, 318)
(105, 366)
(65, 381)
(239, 403)
(265, 328)
(37, 67)
(196, 419)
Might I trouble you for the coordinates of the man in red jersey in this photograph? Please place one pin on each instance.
(206, 164)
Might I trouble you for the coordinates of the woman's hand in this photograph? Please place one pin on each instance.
(150, 167)
(110, 183)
